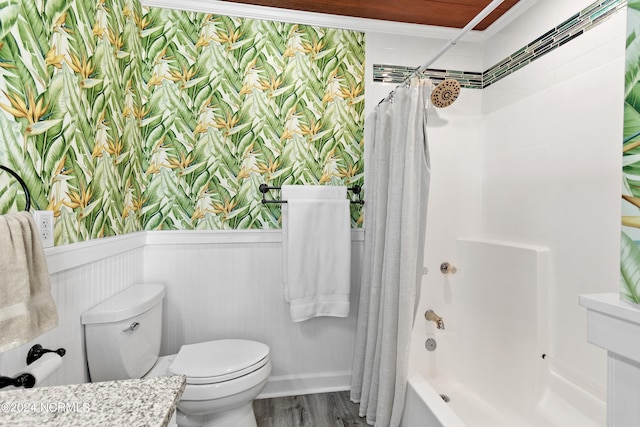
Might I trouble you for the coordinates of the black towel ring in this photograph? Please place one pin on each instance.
(27, 196)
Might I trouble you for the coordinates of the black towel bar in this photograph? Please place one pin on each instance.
(264, 188)
(27, 196)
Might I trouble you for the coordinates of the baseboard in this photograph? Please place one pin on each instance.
(293, 385)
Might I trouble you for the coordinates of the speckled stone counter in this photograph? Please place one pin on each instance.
(147, 402)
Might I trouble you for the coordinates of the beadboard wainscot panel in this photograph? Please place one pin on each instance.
(228, 284)
(82, 275)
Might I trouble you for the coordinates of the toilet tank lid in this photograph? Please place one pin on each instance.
(131, 302)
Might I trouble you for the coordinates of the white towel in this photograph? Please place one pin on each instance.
(27, 309)
(316, 247)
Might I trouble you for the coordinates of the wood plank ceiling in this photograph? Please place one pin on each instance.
(441, 13)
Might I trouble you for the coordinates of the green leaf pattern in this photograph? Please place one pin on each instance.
(630, 269)
(630, 253)
(122, 118)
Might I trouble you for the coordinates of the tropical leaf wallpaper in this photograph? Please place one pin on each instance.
(121, 118)
(630, 252)
(67, 72)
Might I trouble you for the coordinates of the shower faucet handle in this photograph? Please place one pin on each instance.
(448, 268)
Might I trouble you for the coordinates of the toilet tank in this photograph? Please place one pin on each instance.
(122, 334)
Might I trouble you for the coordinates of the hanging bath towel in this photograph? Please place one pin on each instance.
(316, 250)
(27, 309)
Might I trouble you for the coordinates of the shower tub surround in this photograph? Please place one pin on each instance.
(516, 175)
(491, 367)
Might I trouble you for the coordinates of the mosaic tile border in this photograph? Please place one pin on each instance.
(568, 30)
(398, 74)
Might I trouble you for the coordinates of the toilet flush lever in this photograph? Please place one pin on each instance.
(132, 327)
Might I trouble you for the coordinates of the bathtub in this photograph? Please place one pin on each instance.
(491, 366)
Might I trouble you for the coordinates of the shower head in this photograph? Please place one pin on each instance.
(445, 93)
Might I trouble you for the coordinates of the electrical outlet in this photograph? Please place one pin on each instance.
(44, 224)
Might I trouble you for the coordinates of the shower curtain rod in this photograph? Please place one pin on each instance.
(475, 21)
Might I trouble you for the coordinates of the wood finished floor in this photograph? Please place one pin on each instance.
(310, 410)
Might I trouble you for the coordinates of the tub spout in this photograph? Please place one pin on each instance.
(432, 316)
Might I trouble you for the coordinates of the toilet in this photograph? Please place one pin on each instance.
(122, 336)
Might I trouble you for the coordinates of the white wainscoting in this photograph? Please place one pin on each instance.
(219, 284)
(85, 283)
(229, 285)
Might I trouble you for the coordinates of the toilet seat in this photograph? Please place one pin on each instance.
(218, 361)
(223, 386)
(227, 389)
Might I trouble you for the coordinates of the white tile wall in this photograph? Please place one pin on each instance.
(415, 51)
(551, 144)
(593, 49)
(534, 159)
(541, 17)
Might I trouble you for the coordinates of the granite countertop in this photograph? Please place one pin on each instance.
(145, 402)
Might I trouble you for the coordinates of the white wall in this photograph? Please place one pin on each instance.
(82, 276)
(552, 171)
(389, 49)
(539, 17)
(219, 284)
(533, 159)
(230, 286)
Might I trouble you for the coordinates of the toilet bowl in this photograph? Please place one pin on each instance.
(221, 393)
(223, 377)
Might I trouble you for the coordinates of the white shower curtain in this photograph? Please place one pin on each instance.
(396, 187)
